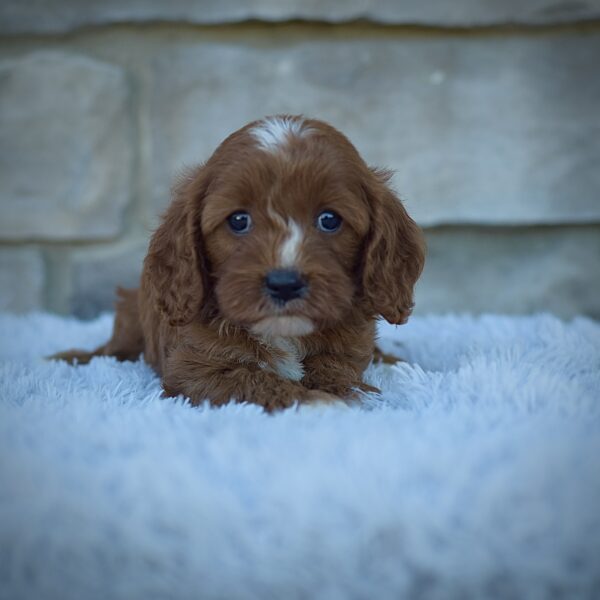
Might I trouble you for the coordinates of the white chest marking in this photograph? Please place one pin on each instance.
(290, 365)
(274, 132)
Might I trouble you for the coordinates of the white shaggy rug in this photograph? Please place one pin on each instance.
(477, 475)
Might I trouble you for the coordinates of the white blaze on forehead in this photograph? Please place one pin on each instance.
(274, 132)
(290, 249)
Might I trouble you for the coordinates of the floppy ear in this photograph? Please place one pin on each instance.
(394, 252)
(175, 273)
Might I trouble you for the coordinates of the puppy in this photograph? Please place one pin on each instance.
(264, 281)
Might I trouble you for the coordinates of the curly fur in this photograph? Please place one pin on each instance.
(202, 317)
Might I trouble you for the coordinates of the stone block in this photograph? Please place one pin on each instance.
(21, 279)
(491, 130)
(96, 272)
(523, 271)
(468, 270)
(66, 149)
(66, 15)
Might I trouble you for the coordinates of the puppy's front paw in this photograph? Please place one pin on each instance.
(365, 388)
(321, 399)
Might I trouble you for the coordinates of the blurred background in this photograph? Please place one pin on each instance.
(489, 111)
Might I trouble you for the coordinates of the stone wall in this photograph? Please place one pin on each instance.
(488, 112)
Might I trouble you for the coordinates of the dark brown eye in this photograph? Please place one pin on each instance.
(328, 221)
(239, 222)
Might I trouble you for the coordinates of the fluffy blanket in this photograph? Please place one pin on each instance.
(475, 475)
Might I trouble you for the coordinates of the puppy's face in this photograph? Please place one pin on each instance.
(285, 230)
(283, 223)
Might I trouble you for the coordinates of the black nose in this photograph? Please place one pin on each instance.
(284, 285)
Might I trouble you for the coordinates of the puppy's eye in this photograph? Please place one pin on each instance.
(239, 222)
(328, 221)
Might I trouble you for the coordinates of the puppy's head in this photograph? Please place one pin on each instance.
(283, 232)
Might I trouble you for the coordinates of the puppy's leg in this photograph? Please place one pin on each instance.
(200, 377)
(329, 373)
(379, 356)
(127, 341)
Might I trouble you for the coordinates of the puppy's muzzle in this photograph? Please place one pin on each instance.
(283, 285)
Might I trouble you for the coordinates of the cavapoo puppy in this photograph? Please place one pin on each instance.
(270, 267)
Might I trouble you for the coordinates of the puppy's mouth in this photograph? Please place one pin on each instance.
(283, 326)
(284, 303)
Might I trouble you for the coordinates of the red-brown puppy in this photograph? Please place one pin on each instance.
(272, 263)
